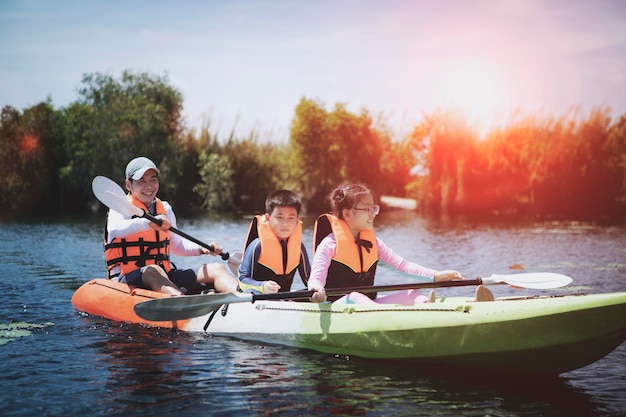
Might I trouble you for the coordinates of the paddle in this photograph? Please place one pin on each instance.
(111, 195)
(179, 308)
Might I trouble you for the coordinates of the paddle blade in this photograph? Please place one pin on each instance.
(186, 307)
(111, 195)
(533, 280)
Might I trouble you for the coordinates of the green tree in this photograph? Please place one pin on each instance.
(571, 176)
(616, 149)
(13, 187)
(258, 169)
(115, 120)
(29, 181)
(396, 166)
(546, 166)
(445, 149)
(361, 147)
(187, 157)
(327, 148)
(511, 155)
(216, 187)
(315, 158)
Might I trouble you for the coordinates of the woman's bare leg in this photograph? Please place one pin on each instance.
(156, 279)
(215, 274)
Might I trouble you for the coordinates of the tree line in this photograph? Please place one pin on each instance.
(572, 166)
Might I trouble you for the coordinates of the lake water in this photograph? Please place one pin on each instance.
(81, 365)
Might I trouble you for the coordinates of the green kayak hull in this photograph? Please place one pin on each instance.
(548, 335)
(540, 334)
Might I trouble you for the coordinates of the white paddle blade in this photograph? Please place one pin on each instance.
(101, 184)
(111, 195)
(533, 280)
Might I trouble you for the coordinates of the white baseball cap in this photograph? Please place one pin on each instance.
(138, 166)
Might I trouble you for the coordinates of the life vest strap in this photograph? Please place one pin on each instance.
(123, 243)
(139, 260)
(145, 247)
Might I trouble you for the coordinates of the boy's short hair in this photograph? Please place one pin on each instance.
(282, 198)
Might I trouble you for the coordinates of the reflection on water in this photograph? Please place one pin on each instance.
(232, 377)
(91, 366)
(143, 366)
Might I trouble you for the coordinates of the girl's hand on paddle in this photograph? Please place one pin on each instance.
(448, 275)
(319, 296)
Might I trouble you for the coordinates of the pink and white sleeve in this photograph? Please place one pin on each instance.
(321, 262)
(396, 261)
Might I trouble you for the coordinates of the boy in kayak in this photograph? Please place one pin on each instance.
(137, 250)
(347, 252)
(274, 249)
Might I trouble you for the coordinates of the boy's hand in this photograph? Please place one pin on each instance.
(270, 287)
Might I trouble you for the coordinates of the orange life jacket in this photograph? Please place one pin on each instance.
(355, 260)
(139, 249)
(273, 263)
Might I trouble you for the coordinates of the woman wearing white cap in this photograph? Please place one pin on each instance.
(137, 250)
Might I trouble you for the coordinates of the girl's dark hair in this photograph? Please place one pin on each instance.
(347, 195)
(282, 198)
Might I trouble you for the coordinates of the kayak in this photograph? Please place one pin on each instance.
(535, 334)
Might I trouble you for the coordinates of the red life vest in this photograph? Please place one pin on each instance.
(272, 264)
(355, 260)
(143, 248)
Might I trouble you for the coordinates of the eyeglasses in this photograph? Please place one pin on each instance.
(371, 210)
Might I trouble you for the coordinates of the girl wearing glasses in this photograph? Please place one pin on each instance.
(346, 252)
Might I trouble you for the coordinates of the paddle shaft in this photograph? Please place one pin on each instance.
(178, 308)
(224, 255)
(294, 295)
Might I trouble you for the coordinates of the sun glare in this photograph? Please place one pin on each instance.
(28, 144)
(475, 89)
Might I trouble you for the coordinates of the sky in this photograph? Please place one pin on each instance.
(244, 65)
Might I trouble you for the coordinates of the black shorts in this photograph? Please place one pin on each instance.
(183, 278)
